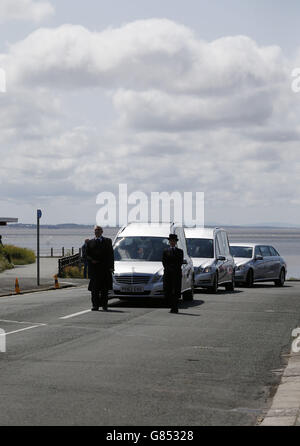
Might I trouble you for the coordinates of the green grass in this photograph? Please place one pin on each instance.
(4, 263)
(20, 256)
(73, 272)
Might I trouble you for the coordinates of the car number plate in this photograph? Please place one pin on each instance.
(132, 289)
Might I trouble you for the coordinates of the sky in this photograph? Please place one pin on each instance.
(160, 95)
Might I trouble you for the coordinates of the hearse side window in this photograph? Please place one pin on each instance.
(273, 251)
(265, 251)
(225, 244)
(220, 244)
(257, 251)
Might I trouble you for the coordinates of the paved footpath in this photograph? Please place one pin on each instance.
(27, 276)
(218, 362)
(285, 409)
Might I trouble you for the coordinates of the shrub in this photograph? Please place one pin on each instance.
(74, 272)
(20, 256)
(4, 263)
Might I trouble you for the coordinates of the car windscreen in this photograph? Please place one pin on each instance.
(148, 249)
(200, 247)
(241, 251)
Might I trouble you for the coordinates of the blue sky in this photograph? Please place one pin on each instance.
(102, 93)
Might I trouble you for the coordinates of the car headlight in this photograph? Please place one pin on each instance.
(199, 270)
(208, 269)
(241, 267)
(157, 277)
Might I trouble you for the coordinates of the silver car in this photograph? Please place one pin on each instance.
(258, 263)
(138, 249)
(213, 262)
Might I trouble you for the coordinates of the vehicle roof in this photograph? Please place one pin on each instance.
(248, 245)
(200, 232)
(147, 229)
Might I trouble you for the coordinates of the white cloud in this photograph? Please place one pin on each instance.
(217, 117)
(31, 10)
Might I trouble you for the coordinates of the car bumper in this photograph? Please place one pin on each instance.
(204, 280)
(240, 276)
(147, 290)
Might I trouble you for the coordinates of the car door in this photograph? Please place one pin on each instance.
(229, 261)
(276, 267)
(268, 262)
(258, 265)
(221, 264)
(185, 267)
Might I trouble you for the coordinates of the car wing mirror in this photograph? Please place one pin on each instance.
(185, 262)
(222, 258)
(258, 257)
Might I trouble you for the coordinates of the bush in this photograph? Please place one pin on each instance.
(20, 256)
(4, 262)
(74, 272)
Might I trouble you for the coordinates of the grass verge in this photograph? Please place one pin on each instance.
(19, 256)
(73, 272)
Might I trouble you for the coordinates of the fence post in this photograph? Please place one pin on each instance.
(72, 250)
(51, 252)
(63, 251)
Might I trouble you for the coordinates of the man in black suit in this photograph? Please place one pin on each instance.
(100, 256)
(172, 261)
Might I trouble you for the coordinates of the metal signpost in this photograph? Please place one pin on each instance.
(39, 215)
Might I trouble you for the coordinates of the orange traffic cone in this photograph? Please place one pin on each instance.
(56, 281)
(17, 288)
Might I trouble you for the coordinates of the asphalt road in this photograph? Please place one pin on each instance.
(217, 362)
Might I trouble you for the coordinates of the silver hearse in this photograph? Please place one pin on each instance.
(138, 249)
(258, 263)
(213, 262)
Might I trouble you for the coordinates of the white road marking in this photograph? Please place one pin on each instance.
(20, 322)
(23, 329)
(75, 314)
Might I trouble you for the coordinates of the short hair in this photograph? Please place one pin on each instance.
(98, 227)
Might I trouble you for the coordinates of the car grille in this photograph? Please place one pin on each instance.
(144, 293)
(132, 280)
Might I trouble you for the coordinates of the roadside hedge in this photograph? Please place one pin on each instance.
(20, 256)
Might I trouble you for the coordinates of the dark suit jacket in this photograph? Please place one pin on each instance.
(172, 262)
(99, 273)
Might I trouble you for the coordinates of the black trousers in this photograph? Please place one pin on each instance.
(172, 289)
(100, 298)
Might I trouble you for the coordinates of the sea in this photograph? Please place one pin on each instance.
(285, 240)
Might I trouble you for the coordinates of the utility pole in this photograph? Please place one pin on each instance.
(38, 217)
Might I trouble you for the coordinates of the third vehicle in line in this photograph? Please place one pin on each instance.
(258, 263)
(213, 263)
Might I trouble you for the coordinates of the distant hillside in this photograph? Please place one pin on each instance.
(213, 225)
(60, 226)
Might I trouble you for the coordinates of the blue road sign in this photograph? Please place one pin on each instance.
(39, 213)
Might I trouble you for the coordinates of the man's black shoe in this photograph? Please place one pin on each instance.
(95, 309)
(104, 308)
(174, 310)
